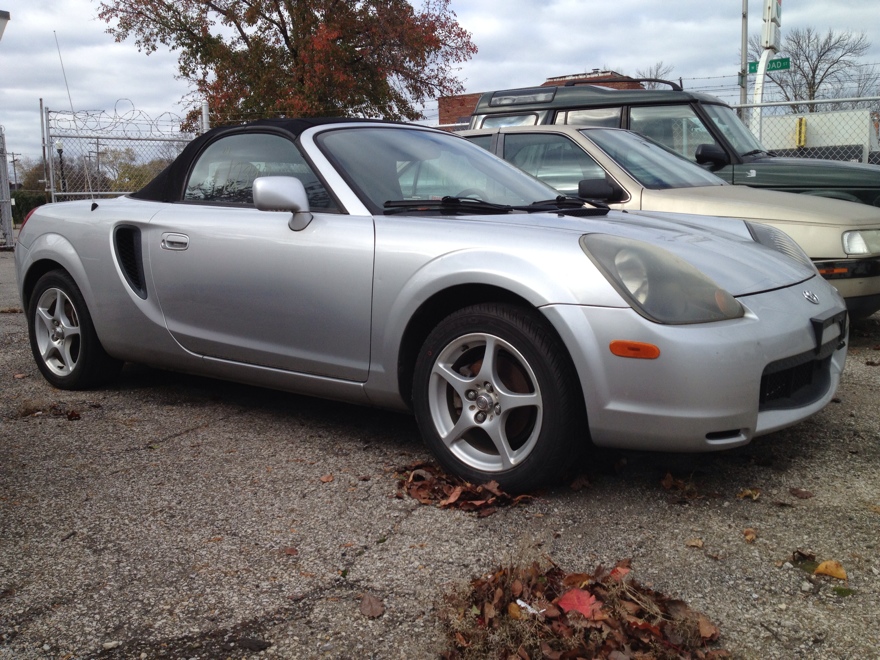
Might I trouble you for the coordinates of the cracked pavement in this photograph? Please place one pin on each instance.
(175, 516)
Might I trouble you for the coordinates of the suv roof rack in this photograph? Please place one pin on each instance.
(675, 87)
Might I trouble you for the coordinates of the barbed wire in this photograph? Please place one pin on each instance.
(123, 122)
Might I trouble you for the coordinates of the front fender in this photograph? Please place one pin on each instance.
(540, 275)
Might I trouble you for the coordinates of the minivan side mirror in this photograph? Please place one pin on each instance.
(711, 154)
(595, 189)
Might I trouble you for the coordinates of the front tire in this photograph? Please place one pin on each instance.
(63, 339)
(496, 397)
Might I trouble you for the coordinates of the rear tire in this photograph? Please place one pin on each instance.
(496, 397)
(63, 339)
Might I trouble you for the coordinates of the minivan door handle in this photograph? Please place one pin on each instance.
(172, 241)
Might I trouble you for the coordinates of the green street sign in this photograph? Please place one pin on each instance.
(779, 64)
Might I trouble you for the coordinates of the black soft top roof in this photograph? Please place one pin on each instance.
(167, 186)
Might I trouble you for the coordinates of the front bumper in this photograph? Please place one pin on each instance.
(715, 385)
(857, 280)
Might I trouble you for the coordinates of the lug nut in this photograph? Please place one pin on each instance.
(480, 417)
(489, 388)
(471, 395)
(497, 408)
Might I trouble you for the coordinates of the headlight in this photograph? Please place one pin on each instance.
(863, 241)
(659, 285)
(778, 240)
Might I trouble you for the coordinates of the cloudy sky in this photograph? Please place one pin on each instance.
(521, 43)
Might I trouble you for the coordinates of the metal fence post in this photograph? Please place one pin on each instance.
(5, 197)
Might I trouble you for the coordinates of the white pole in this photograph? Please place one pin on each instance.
(759, 92)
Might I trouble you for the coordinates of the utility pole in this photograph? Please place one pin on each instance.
(14, 160)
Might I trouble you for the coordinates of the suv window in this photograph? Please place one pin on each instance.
(226, 170)
(609, 117)
(499, 121)
(554, 159)
(676, 126)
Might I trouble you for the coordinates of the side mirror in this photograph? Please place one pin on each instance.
(711, 154)
(595, 189)
(283, 193)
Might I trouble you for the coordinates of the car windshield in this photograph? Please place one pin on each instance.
(394, 163)
(733, 129)
(651, 164)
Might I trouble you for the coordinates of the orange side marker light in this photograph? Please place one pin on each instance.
(634, 349)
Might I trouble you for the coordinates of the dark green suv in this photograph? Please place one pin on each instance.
(698, 126)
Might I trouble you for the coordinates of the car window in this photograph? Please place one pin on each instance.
(676, 126)
(226, 170)
(554, 159)
(733, 129)
(484, 141)
(652, 165)
(593, 117)
(499, 121)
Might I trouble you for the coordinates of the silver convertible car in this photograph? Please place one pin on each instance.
(404, 267)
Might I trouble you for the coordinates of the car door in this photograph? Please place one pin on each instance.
(238, 284)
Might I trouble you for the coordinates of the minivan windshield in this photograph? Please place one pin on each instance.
(651, 164)
(733, 129)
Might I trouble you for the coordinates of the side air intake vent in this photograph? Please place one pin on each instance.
(128, 252)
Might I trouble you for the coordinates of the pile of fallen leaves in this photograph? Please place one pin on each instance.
(526, 613)
(430, 485)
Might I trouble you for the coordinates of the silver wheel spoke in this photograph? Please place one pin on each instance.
(462, 426)
(455, 380)
(488, 369)
(511, 400)
(496, 433)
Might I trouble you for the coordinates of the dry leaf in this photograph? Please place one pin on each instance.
(694, 543)
(708, 630)
(800, 493)
(751, 493)
(290, 551)
(832, 568)
(513, 611)
(372, 607)
(580, 601)
(327, 478)
(750, 534)
(19, 376)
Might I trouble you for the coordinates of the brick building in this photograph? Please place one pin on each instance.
(458, 109)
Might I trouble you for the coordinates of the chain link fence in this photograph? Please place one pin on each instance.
(99, 154)
(818, 129)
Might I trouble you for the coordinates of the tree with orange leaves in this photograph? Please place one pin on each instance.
(298, 58)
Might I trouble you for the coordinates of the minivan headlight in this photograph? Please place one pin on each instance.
(657, 284)
(862, 241)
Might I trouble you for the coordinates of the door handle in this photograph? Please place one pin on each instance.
(171, 241)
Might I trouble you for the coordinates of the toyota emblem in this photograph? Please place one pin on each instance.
(812, 297)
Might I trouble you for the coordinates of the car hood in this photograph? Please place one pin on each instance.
(722, 248)
(809, 173)
(762, 205)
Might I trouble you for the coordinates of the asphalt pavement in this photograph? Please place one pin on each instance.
(174, 516)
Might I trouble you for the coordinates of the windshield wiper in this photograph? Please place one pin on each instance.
(448, 204)
(755, 152)
(567, 206)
